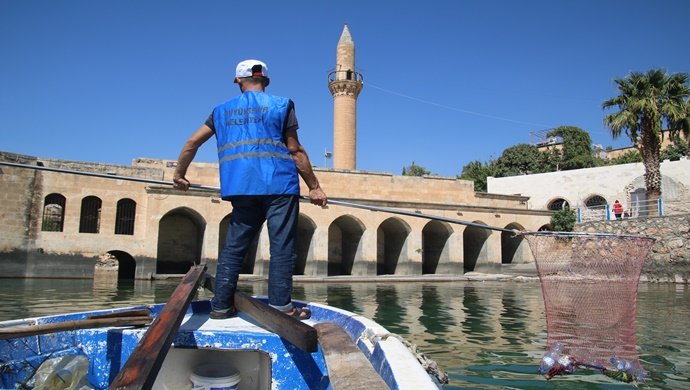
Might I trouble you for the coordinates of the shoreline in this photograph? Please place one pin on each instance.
(468, 277)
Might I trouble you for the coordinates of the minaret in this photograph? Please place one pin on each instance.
(345, 84)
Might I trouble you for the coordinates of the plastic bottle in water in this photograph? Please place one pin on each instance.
(625, 371)
(622, 364)
(550, 358)
(567, 363)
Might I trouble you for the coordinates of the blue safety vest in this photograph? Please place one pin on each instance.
(253, 158)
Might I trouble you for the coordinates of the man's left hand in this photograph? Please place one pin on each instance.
(318, 197)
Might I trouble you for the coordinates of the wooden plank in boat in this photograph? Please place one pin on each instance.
(141, 369)
(291, 329)
(99, 322)
(347, 366)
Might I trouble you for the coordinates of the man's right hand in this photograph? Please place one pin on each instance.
(181, 183)
(318, 197)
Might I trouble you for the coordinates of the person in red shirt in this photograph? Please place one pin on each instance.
(617, 209)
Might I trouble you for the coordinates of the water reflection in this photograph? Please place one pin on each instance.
(437, 317)
(512, 318)
(390, 310)
(342, 296)
(476, 324)
(485, 335)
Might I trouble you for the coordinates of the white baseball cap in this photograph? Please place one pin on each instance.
(251, 68)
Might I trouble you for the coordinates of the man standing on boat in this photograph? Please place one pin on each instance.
(260, 158)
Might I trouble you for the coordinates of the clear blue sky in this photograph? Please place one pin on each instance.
(446, 82)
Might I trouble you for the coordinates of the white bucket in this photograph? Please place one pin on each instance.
(214, 376)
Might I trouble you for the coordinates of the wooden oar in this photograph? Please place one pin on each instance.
(291, 329)
(125, 318)
(143, 364)
(126, 313)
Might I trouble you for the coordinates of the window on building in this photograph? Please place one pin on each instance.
(53, 213)
(558, 204)
(124, 216)
(90, 219)
(595, 200)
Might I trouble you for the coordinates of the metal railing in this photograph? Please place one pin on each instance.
(349, 74)
(645, 208)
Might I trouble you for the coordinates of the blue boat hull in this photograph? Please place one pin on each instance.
(264, 359)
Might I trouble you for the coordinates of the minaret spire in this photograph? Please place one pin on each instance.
(346, 37)
(345, 84)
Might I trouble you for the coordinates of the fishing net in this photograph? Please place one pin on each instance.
(589, 283)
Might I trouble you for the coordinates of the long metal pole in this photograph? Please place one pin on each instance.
(199, 186)
(101, 175)
(415, 214)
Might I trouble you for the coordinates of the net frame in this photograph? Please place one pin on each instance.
(589, 283)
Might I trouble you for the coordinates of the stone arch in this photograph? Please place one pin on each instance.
(250, 256)
(475, 246)
(435, 245)
(126, 264)
(636, 200)
(595, 208)
(595, 200)
(556, 204)
(391, 245)
(514, 248)
(180, 239)
(344, 244)
(671, 190)
(305, 235)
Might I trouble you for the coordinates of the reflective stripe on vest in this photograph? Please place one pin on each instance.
(255, 155)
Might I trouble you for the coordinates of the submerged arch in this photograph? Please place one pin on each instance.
(391, 247)
(180, 238)
(475, 246)
(344, 244)
(127, 266)
(305, 234)
(514, 248)
(435, 243)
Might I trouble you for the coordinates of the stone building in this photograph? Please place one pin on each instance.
(57, 224)
(591, 189)
(60, 224)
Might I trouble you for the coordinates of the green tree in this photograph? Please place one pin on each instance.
(521, 159)
(563, 220)
(478, 172)
(550, 160)
(415, 170)
(577, 148)
(678, 149)
(646, 100)
(632, 156)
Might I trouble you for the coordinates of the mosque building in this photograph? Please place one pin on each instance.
(58, 224)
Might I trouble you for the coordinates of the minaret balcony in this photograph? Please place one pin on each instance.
(345, 75)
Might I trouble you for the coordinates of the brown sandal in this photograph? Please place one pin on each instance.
(301, 313)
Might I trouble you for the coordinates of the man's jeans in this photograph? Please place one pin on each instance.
(248, 214)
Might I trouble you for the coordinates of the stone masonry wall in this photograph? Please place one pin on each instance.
(669, 259)
(28, 251)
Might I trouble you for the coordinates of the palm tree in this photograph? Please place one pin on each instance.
(646, 101)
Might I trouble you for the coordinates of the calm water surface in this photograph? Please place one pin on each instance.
(484, 334)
